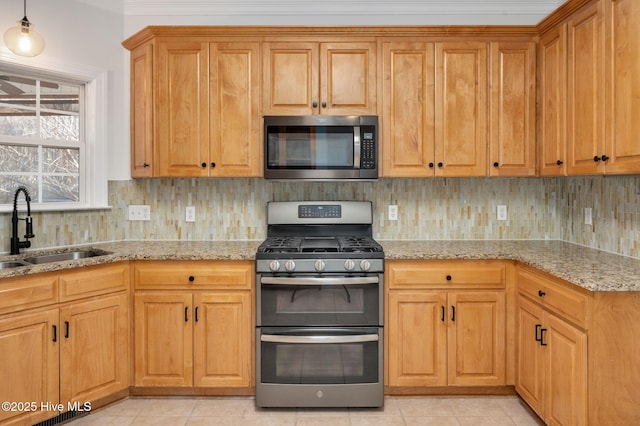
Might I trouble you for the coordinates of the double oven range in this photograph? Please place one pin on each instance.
(319, 307)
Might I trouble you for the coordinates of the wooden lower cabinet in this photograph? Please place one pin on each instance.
(440, 337)
(552, 365)
(29, 349)
(185, 339)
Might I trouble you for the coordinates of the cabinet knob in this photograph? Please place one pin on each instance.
(203, 165)
(559, 162)
(541, 293)
(324, 104)
(596, 158)
(192, 278)
(496, 164)
(605, 157)
(145, 165)
(213, 165)
(449, 277)
(314, 104)
(431, 165)
(440, 164)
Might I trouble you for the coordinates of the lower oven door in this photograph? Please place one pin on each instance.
(319, 367)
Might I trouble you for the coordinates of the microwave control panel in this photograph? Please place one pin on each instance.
(368, 148)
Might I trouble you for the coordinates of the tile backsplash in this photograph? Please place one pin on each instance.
(435, 209)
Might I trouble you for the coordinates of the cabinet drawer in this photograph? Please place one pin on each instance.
(197, 274)
(28, 292)
(93, 281)
(556, 296)
(445, 274)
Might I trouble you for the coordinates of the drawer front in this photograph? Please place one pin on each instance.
(93, 281)
(445, 274)
(557, 297)
(193, 275)
(28, 292)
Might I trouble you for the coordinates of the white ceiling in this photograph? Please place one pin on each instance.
(517, 12)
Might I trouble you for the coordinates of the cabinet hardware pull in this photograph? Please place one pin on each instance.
(596, 158)
(213, 165)
(605, 157)
(186, 314)
(431, 165)
(542, 343)
(324, 104)
(538, 334)
(559, 162)
(203, 165)
(453, 313)
(192, 278)
(541, 293)
(55, 332)
(442, 316)
(196, 314)
(314, 104)
(66, 329)
(496, 164)
(449, 277)
(440, 164)
(145, 165)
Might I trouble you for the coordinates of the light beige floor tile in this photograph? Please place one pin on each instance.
(94, 420)
(323, 421)
(170, 407)
(431, 421)
(514, 406)
(391, 408)
(426, 406)
(219, 407)
(160, 420)
(527, 420)
(269, 420)
(485, 421)
(477, 406)
(128, 407)
(377, 421)
(323, 412)
(215, 421)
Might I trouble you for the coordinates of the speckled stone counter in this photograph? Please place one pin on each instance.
(588, 268)
(591, 269)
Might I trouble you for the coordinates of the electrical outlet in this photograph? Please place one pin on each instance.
(588, 216)
(502, 212)
(190, 214)
(392, 214)
(140, 212)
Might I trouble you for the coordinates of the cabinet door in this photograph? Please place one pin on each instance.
(585, 92)
(223, 339)
(512, 149)
(163, 339)
(291, 78)
(142, 161)
(408, 102)
(182, 108)
(94, 360)
(348, 78)
(565, 355)
(476, 338)
(235, 143)
(461, 109)
(417, 339)
(552, 113)
(530, 366)
(623, 85)
(29, 367)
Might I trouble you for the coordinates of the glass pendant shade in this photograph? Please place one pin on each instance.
(23, 39)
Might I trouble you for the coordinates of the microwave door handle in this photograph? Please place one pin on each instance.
(356, 147)
(302, 281)
(273, 338)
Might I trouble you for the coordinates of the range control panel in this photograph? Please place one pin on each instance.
(319, 211)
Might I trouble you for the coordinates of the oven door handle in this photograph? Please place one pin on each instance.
(278, 338)
(319, 281)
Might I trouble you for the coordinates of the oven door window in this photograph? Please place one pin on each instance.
(330, 356)
(310, 147)
(354, 303)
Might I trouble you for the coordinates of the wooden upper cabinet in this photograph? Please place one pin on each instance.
(234, 109)
(585, 92)
(304, 78)
(622, 61)
(183, 108)
(552, 113)
(141, 114)
(512, 146)
(408, 109)
(461, 116)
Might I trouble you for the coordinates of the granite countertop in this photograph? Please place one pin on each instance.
(591, 269)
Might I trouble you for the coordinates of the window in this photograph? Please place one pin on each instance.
(41, 140)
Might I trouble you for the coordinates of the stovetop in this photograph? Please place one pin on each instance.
(320, 245)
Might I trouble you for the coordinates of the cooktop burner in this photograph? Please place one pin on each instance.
(347, 244)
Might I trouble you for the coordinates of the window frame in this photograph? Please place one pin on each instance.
(93, 176)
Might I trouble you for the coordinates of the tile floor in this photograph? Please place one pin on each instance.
(433, 411)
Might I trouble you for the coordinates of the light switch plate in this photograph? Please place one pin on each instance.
(139, 212)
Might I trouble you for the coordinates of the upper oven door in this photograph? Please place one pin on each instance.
(320, 147)
(334, 300)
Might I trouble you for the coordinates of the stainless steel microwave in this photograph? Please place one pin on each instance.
(321, 147)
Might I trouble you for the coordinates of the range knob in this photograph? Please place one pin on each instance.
(365, 265)
(319, 265)
(349, 265)
(274, 265)
(290, 265)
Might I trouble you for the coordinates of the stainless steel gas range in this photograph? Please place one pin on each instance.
(319, 307)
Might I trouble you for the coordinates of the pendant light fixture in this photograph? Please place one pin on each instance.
(23, 39)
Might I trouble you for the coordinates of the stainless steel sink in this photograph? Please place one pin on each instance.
(64, 256)
(12, 264)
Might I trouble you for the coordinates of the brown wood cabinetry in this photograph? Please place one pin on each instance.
(446, 323)
(333, 78)
(195, 108)
(193, 323)
(67, 343)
